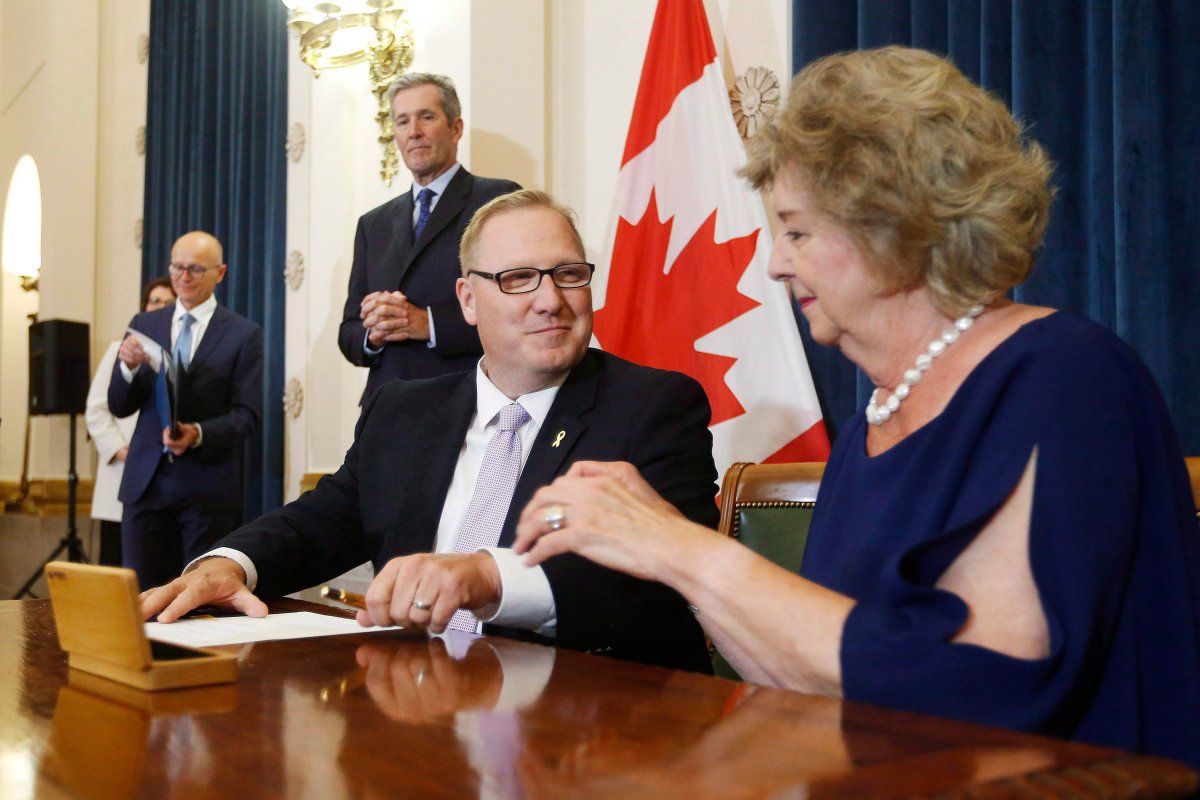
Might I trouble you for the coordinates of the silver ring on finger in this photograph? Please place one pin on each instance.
(555, 517)
(421, 604)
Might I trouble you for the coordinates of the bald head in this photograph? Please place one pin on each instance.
(197, 266)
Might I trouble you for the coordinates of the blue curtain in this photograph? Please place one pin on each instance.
(1111, 88)
(216, 124)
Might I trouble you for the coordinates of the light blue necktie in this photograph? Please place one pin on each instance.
(183, 345)
(424, 205)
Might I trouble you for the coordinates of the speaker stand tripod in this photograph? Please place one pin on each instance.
(69, 544)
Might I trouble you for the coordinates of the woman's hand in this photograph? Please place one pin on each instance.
(609, 515)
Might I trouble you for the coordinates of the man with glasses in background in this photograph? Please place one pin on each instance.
(182, 487)
(440, 469)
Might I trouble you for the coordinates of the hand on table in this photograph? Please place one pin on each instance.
(215, 582)
(426, 589)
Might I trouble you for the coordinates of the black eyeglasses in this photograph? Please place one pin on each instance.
(528, 279)
(195, 270)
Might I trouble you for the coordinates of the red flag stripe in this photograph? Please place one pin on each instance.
(680, 47)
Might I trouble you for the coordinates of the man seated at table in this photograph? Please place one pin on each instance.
(440, 469)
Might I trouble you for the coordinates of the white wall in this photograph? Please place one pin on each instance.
(547, 90)
(48, 109)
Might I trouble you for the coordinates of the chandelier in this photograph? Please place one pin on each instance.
(349, 32)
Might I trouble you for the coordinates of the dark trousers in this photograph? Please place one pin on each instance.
(162, 531)
(110, 543)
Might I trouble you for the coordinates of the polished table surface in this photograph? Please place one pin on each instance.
(388, 715)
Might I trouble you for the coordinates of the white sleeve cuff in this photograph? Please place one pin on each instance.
(127, 373)
(526, 601)
(236, 556)
(432, 343)
(371, 351)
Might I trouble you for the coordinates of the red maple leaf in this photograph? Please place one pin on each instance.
(655, 319)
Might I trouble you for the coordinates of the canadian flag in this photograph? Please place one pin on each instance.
(687, 284)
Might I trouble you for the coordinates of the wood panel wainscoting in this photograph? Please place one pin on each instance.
(48, 497)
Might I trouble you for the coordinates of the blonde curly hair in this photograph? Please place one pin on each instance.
(930, 175)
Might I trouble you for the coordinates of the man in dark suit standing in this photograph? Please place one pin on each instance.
(401, 317)
(182, 493)
(440, 469)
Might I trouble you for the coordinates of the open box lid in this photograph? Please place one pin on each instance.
(97, 613)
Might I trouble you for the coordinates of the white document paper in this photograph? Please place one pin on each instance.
(153, 349)
(212, 631)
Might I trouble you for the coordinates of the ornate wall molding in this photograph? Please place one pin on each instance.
(293, 270)
(295, 143)
(293, 398)
(754, 99)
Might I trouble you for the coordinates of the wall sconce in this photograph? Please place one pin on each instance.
(350, 32)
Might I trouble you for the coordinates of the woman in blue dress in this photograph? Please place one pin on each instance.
(1006, 534)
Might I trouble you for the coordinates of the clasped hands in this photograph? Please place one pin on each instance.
(422, 590)
(389, 317)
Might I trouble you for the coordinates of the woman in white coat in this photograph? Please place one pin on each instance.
(111, 435)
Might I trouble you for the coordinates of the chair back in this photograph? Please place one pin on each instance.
(768, 508)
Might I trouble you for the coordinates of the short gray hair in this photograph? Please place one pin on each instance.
(449, 95)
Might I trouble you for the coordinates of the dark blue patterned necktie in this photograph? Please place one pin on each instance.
(424, 204)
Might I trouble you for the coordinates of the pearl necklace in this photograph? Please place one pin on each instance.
(877, 415)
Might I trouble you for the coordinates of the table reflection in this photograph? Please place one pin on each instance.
(101, 733)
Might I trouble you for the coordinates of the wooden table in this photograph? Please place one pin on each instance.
(381, 715)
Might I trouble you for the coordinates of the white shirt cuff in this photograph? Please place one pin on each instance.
(127, 373)
(526, 601)
(236, 556)
(371, 351)
(432, 343)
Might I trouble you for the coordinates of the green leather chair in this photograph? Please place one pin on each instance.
(768, 508)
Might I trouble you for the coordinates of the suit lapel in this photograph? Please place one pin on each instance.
(431, 458)
(402, 236)
(212, 335)
(448, 208)
(564, 426)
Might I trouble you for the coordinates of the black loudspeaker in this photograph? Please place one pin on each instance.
(59, 353)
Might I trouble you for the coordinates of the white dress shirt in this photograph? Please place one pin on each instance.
(526, 600)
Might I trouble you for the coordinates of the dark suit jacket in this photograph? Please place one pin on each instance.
(387, 259)
(221, 390)
(386, 499)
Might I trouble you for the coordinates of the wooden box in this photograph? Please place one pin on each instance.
(99, 622)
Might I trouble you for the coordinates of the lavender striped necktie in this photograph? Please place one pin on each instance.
(493, 493)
